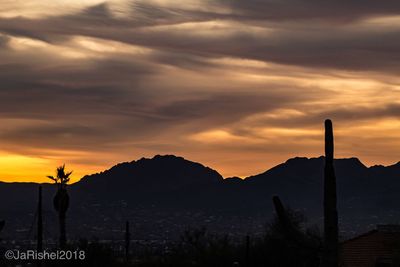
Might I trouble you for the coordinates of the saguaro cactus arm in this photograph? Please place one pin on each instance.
(281, 213)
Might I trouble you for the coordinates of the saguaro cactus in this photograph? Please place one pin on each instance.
(61, 201)
(330, 256)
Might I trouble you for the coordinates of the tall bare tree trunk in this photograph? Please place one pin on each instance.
(63, 236)
(39, 245)
(61, 204)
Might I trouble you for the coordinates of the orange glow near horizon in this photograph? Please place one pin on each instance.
(94, 83)
(17, 168)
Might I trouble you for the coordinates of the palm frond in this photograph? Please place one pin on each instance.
(52, 178)
(62, 177)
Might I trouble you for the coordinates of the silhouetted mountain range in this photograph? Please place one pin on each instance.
(148, 189)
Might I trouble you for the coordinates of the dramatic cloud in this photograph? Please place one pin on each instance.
(361, 45)
(237, 85)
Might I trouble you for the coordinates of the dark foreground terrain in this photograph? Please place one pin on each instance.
(183, 210)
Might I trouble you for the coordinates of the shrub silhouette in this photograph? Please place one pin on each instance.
(61, 200)
(196, 247)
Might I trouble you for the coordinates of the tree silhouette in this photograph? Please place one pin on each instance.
(61, 200)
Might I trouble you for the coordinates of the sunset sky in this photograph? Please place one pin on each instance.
(238, 85)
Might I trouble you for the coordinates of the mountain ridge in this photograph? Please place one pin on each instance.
(296, 159)
(154, 189)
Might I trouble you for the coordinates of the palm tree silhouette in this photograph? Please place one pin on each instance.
(61, 200)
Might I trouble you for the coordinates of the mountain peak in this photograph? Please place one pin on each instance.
(297, 159)
(302, 168)
(350, 161)
(161, 171)
(167, 157)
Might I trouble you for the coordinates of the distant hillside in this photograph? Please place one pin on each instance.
(360, 189)
(170, 184)
(159, 174)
